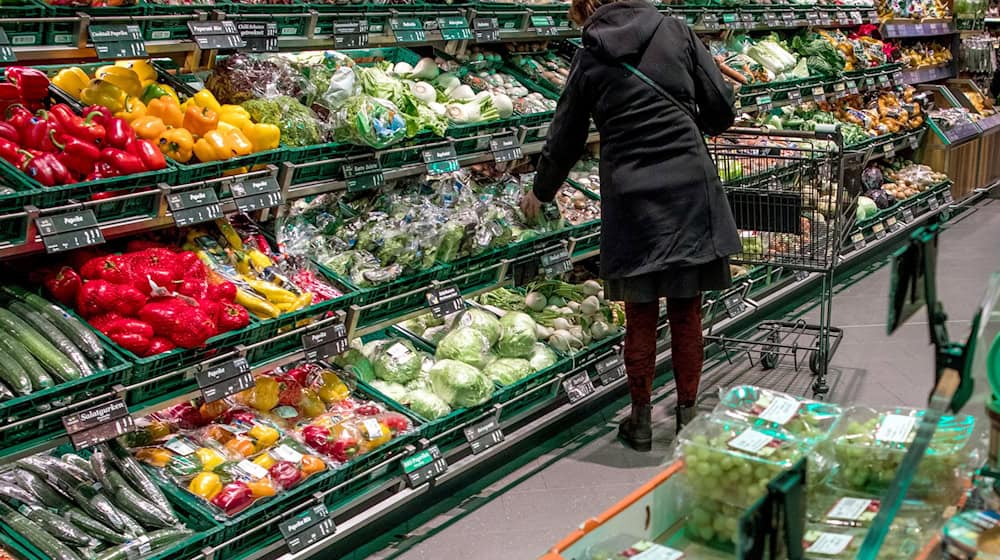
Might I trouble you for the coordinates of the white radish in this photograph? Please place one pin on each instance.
(590, 305)
(535, 301)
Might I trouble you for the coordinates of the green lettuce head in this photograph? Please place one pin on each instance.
(517, 335)
(394, 391)
(507, 371)
(465, 344)
(427, 404)
(482, 321)
(542, 357)
(397, 361)
(459, 384)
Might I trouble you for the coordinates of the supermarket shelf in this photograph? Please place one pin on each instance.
(779, 94)
(897, 217)
(903, 29)
(713, 19)
(929, 74)
(59, 52)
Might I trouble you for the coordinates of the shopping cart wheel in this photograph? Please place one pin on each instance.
(814, 362)
(769, 359)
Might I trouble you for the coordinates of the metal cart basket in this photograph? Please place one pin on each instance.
(791, 193)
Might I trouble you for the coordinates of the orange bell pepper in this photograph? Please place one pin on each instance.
(132, 109)
(154, 456)
(241, 446)
(149, 127)
(168, 110)
(261, 488)
(312, 464)
(200, 120)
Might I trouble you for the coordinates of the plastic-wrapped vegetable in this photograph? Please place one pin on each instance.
(299, 125)
(517, 335)
(481, 321)
(465, 344)
(459, 384)
(507, 371)
(370, 121)
(397, 361)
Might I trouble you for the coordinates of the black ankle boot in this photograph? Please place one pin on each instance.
(685, 414)
(636, 431)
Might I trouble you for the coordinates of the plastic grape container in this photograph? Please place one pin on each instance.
(759, 407)
(823, 542)
(731, 462)
(835, 507)
(867, 447)
(712, 522)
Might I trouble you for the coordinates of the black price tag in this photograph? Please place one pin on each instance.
(6, 52)
(486, 30)
(933, 203)
(879, 231)
(325, 343)
(788, 18)
(948, 198)
(219, 382)
(892, 224)
(98, 424)
(889, 149)
(307, 528)
(734, 304)
(556, 262)
(856, 17)
(897, 78)
(858, 239)
(764, 102)
(194, 207)
(445, 300)
(424, 466)
(578, 387)
(211, 35)
(840, 90)
(114, 41)
(770, 19)
(505, 148)
(441, 160)
(812, 18)
(72, 230)
(794, 96)
(610, 369)
(873, 17)
(852, 86)
(350, 35)
(709, 22)
(363, 176)
(748, 22)
(818, 93)
(259, 36)
(484, 435)
(408, 30)
(454, 28)
(544, 25)
(256, 194)
(907, 215)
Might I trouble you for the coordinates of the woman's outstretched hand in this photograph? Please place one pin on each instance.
(530, 205)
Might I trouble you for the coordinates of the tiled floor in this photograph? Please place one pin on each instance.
(581, 474)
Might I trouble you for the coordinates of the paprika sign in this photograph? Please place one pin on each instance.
(325, 343)
(227, 379)
(115, 41)
(424, 466)
(194, 207)
(98, 424)
(72, 230)
(6, 52)
(256, 194)
(308, 528)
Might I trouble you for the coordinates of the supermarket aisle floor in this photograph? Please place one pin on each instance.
(580, 474)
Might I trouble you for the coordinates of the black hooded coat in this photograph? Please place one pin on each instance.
(662, 203)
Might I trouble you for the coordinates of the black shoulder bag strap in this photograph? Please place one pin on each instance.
(657, 87)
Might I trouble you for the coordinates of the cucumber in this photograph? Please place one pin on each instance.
(14, 375)
(140, 508)
(74, 470)
(15, 496)
(94, 527)
(58, 526)
(133, 528)
(58, 364)
(134, 473)
(53, 334)
(144, 546)
(79, 462)
(80, 491)
(40, 379)
(80, 334)
(100, 465)
(47, 494)
(37, 536)
(5, 393)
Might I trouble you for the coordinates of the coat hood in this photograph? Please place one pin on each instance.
(621, 29)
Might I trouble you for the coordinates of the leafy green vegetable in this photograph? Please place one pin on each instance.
(821, 56)
(394, 391)
(465, 344)
(517, 335)
(427, 404)
(297, 122)
(507, 371)
(482, 321)
(397, 361)
(459, 384)
(542, 357)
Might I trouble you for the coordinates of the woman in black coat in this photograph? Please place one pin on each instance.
(667, 227)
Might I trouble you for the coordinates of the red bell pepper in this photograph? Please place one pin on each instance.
(12, 152)
(8, 131)
(112, 268)
(159, 345)
(19, 117)
(232, 317)
(122, 162)
(37, 134)
(197, 289)
(284, 473)
(79, 155)
(72, 124)
(119, 134)
(234, 498)
(368, 410)
(134, 343)
(181, 323)
(223, 291)
(150, 155)
(9, 96)
(101, 171)
(45, 168)
(96, 297)
(32, 83)
(113, 323)
(104, 114)
(64, 284)
(396, 422)
(152, 265)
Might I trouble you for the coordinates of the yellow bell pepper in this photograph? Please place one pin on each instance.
(105, 94)
(149, 127)
(142, 68)
(132, 109)
(206, 484)
(168, 110)
(72, 80)
(263, 436)
(206, 100)
(265, 460)
(239, 142)
(263, 136)
(177, 144)
(213, 146)
(234, 115)
(210, 458)
(124, 78)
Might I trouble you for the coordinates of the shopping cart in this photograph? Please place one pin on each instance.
(791, 194)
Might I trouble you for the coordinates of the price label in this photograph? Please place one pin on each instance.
(748, 21)
(788, 18)
(710, 22)
(859, 241)
(445, 300)
(454, 28)
(441, 160)
(933, 203)
(256, 194)
(794, 97)
(98, 424)
(325, 343)
(907, 215)
(892, 224)
(873, 17)
(408, 30)
(6, 52)
(729, 19)
(194, 207)
(764, 102)
(948, 198)
(210, 35)
(889, 149)
(486, 30)
(219, 382)
(856, 17)
(879, 231)
(770, 19)
(363, 176)
(812, 18)
(543, 25)
(307, 528)
(818, 93)
(897, 78)
(578, 387)
(823, 18)
(259, 36)
(556, 262)
(505, 148)
(852, 87)
(115, 41)
(484, 435)
(734, 304)
(424, 466)
(883, 79)
(72, 230)
(610, 369)
(350, 34)
(840, 89)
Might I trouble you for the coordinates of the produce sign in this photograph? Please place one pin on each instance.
(544, 25)
(445, 300)
(209, 35)
(325, 343)
(454, 28)
(307, 528)
(6, 52)
(556, 262)
(117, 41)
(194, 207)
(734, 304)
(408, 30)
(98, 424)
(578, 387)
(363, 176)
(69, 231)
(350, 35)
(424, 466)
(486, 30)
(505, 148)
(441, 160)
(484, 435)
(228, 379)
(259, 36)
(610, 369)
(256, 194)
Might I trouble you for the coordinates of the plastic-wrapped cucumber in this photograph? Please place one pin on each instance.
(134, 473)
(79, 462)
(5, 393)
(83, 337)
(74, 468)
(100, 465)
(144, 545)
(53, 334)
(57, 526)
(39, 346)
(80, 491)
(140, 508)
(13, 375)
(40, 379)
(50, 497)
(37, 536)
(132, 527)
(93, 527)
(15, 496)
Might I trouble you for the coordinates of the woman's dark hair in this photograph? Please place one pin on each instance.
(581, 10)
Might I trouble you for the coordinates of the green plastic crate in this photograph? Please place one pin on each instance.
(386, 299)
(316, 159)
(14, 222)
(65, 32)
(270, 329)
(18, 25)
(170, 21)
(292, 18)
